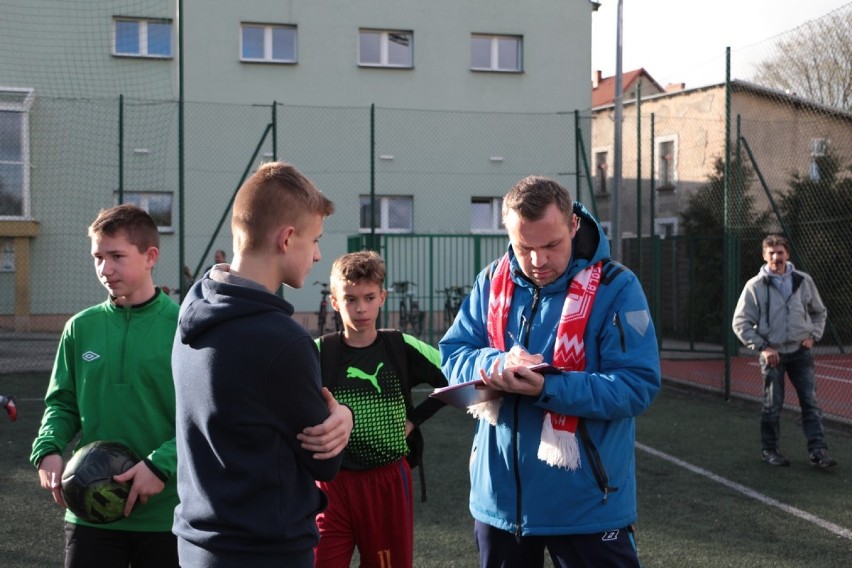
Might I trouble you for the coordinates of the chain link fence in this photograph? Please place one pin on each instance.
(712, 170)
(786, 112)
(406, 171)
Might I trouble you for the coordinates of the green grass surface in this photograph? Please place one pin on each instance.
(685, 518)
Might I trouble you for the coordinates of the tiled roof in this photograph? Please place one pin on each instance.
(604, 93)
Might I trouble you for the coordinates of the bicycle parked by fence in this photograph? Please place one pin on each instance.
(322, 314)
(410, 316)
(454, 295)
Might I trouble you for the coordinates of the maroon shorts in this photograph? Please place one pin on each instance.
(371, 509)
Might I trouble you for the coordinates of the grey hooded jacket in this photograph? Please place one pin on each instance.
(763, 318)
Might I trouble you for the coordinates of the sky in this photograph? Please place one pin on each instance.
(684, 41)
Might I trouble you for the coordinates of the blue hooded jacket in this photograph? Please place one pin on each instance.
(512, 489)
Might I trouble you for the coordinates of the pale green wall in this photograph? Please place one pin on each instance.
(442, 159)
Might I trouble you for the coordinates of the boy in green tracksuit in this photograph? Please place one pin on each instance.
(112, 381)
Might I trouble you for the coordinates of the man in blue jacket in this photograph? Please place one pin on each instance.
(552, 463)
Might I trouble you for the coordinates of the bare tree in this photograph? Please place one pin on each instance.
(814, 61)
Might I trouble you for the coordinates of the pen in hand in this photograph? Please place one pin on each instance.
(515, 342)
(519, 356)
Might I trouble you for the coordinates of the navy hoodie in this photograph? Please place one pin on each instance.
(247, 380)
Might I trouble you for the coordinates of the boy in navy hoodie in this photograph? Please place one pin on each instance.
(254, 428)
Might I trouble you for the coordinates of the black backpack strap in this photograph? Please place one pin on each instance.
(398, 350)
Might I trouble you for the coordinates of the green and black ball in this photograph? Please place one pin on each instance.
(88, 487)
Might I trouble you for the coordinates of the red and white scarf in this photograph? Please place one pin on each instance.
(558, 445)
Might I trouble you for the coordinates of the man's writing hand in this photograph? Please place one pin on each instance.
(517, 356)
(516, 379)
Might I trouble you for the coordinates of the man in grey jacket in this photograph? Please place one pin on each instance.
(781, 315)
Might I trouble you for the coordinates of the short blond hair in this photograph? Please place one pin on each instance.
(276, 194)
(363, 266)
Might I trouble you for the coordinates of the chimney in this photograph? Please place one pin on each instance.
(675, 87)
(596, 79)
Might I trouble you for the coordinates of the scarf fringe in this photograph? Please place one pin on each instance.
(488, 411)
(558, 448)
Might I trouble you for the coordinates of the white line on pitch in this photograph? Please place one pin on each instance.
(748, 492)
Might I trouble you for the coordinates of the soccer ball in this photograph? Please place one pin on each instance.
(87, 485)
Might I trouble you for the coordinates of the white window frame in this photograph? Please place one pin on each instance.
(143, 199)
(496, 215)
(494, 59)
(660, 224)
(268, 43)
(143, 37)
(20, 100)
(660, 141)
(384, 45)
(383, 214)
(606, 226)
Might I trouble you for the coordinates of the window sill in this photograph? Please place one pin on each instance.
(380, 66)
(269, 61)
(18, 227)
(141, 56)
(504, 71)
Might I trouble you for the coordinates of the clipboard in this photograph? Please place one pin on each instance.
(463, 395)
(545, 369)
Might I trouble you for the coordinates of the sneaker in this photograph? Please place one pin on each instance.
(11, 408)
(821, 458)
(774, 457)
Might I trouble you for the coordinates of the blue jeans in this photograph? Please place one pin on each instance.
(799, 366)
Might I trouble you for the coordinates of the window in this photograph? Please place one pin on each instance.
(377, 48)
(601, 159)
(157, 204)
(495, 53)
(15, 152)
(393, 214)
(137, 37)
(819, 148)
(268, 43)
(486, 214)
(7, 255)
(666, 164)
(665, 227)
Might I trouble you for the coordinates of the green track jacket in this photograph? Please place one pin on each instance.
(112, 381)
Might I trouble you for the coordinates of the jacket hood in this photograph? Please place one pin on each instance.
(210, 302)
(589, 246)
